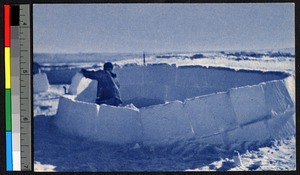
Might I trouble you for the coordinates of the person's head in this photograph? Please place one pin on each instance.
(108, 66)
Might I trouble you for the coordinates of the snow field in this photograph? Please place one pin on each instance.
(41, 83)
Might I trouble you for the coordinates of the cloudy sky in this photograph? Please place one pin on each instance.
(65, 28)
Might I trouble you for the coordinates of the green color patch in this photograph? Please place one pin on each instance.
(8, 109)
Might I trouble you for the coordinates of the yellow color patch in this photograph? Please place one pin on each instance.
(7, 67)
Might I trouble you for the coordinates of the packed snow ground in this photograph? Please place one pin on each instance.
(56, 151)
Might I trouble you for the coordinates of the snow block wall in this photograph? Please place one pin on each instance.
(162, 123)
(277, 97)
(228, 114)
(99, 123)
(41, 83)
(77, 118)
(210, 114)
(163, 82)
(118, 125)
(249, 103)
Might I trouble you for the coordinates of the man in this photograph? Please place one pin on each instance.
(108, 90)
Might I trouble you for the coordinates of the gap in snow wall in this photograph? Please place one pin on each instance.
(217, 106)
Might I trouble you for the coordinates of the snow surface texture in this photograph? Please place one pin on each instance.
(238, 102)
(41, 83)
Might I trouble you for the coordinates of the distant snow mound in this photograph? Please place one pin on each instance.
(41, 83)
(212, 105)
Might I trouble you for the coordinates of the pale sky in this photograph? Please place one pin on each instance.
(132, 28)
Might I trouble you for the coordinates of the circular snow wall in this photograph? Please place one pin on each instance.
(215, 105)
(159, 83)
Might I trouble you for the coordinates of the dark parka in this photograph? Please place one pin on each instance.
(108, 86)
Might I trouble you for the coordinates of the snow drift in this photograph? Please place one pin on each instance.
(213, 105)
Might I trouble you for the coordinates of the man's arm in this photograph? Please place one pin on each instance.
(90, 74)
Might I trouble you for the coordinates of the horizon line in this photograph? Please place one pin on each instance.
(163, 52)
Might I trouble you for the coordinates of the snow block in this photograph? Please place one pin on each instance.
(255, 132)
(130, 74)
(154, 91)
(282, 126)
(79, 83)
(220, 79)
(130, 91)
(165, 122)
(55, 75)
(290, 85)
(118, 125)
(277, 97)
(77, 118)
(210, 114)
(89, 94)
(183, 92)
(191, 76)
(273, 75)
(40, 83)
(248, 77)
(175, 93)
(249, 104)
(217, 139)
(160, 74)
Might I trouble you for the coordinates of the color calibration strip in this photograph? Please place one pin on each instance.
(8, 124)
(17, 87)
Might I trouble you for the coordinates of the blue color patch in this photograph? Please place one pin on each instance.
(9, 164)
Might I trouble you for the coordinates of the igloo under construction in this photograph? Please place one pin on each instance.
(163, 103)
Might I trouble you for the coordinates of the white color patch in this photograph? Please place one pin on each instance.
(210, 114)
(249, 103)
(165, 122)
(118, 125)
(40, 83)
